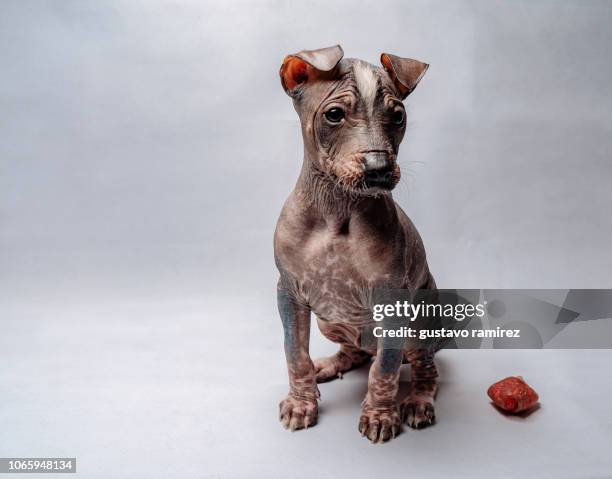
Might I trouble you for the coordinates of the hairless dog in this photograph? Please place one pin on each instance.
(340, 235)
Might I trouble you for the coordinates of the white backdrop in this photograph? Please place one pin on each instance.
(146, 148)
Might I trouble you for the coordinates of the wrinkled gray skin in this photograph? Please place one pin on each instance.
(340, 234)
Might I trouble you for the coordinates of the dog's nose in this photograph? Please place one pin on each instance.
(377, 168)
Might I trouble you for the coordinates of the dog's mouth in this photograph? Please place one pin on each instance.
(383, 180)
(379, 189)
(374, 187)
(369, 188)
(380, 181)
(365, 174)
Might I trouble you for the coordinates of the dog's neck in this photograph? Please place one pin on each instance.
(329, 202)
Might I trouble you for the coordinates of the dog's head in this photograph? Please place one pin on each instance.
(352, 115)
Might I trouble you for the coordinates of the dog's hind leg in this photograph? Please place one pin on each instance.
(332, 367)
(348, 357)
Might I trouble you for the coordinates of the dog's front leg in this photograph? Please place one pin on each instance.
(299, 409)
(380, 419)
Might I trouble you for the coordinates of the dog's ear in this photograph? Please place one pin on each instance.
(307, 65)
(405, 72)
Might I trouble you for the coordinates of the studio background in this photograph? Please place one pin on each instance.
(146, 149)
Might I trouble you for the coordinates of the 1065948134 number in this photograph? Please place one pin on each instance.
(38, 464)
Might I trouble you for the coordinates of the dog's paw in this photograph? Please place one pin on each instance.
(298, 413)
(379, 424)
(335, 366)
(328, 369)
(418, 411)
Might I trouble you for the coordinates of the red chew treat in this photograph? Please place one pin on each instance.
(512, 394)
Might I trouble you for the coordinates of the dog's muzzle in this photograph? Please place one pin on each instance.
(378, 170)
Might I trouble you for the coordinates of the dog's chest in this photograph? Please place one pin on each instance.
(338, 273)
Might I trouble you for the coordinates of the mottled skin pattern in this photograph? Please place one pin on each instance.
(340, 235)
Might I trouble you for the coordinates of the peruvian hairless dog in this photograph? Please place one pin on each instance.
(340, 234)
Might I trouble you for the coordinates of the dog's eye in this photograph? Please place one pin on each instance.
(398, 117)
(334, 115)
